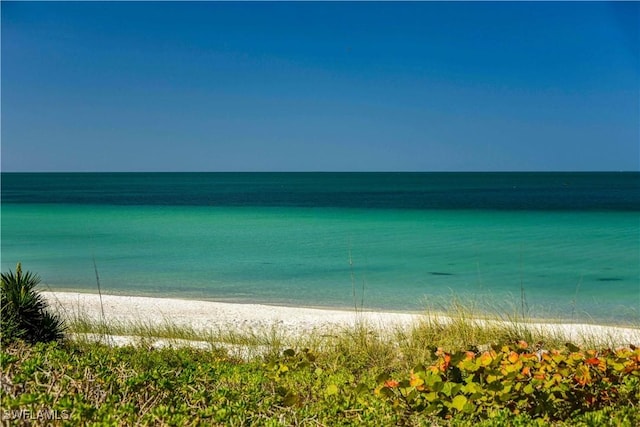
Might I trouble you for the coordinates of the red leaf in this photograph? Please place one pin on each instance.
(594, 361)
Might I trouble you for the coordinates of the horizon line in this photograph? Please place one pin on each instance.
(321, 171)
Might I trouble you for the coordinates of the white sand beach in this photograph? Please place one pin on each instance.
(246, 318)
(209, 315)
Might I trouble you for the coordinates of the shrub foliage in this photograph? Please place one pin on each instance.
(549, 385)
(93, 384)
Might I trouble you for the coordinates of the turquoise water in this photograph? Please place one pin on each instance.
(574, 264)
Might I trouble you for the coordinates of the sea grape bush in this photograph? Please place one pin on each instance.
(341, 390)
(547, 385)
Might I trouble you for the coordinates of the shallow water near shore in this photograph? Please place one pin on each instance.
(266, 241)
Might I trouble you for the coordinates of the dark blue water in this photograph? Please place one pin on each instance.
(495, 191)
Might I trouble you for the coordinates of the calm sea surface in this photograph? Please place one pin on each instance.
(568, 242)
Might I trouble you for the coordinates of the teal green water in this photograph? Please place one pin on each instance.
(570, 264)
(556, 245)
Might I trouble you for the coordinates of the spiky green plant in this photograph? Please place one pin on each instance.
(23, 311)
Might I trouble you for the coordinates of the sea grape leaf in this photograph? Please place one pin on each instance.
(458, 402)
(382, 377)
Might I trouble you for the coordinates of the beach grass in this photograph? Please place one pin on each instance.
(130, 371)
(362, 343)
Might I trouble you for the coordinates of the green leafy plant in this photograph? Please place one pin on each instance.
(549, 385)
(85, 383)
(23, 311)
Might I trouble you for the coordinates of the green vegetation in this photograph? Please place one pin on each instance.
(83, 383)
(23, 311)
(458, 373)
(549, 385)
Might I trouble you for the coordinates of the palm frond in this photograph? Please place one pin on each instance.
(23, 311)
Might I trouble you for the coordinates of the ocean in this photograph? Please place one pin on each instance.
(562, 246)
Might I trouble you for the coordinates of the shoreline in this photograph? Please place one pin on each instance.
(438, 312)
(206, 316)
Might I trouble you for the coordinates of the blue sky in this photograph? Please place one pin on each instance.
(145, 86)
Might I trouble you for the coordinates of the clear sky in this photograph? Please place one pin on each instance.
(145, 86)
